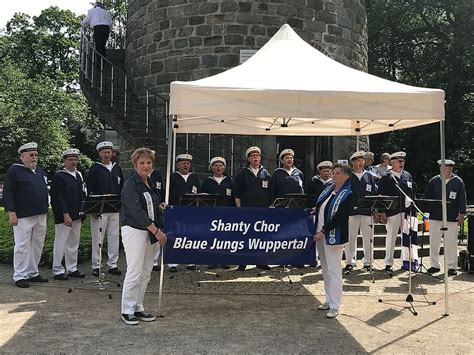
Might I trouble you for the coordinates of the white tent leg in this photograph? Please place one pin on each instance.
(357, 142)
(445, 214)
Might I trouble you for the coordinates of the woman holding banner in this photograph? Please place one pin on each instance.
(332, 229)
(141, 234)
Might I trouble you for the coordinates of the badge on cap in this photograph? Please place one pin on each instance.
(326, 164)
(447, 162)
(253, 149)
(286, 152)
(28, 147)
(184, 157)
(358, 155)
(398, 155)
(217, 160)
(104, 145)
(72, 152)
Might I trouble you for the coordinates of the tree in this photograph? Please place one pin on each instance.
(427, 43)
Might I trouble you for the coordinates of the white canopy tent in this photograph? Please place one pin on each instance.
(288, 88)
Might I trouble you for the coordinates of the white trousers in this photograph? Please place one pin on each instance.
(110, 225)
(140, 255)
(356, 223)
(394, 223)
(29, 236)
(330, 257)
(66, 245)
(450, 244)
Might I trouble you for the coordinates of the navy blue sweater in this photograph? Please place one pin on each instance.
(253, 191)
(455, 195)
(360, 188)
(102, 181)
(67, 194)
(387, 187)
(316, 186)
(179, 187)
(283, 183)
(25, 192)
(224, 189)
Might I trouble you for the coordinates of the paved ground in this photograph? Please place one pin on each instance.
(240, 312)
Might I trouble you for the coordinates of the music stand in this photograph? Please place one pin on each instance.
(294, 201)
(97, 205)
(201, 199)
(372, 204)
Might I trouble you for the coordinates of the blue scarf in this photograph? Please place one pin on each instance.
(334, 236)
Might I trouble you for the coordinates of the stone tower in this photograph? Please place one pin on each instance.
(185, 40)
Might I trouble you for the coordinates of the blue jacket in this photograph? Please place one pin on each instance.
(388, 187)
(283, 183)
(179, 187)
(253, 191)
(224, 189)
(67, 194)
(360, 188)
(25, 192)
(102, 181)
(455, 195)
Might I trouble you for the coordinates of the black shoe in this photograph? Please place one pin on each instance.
(241, 267)
(37, 278)
(367, 267)
(95, 272)
(191, 267)
(115, 271)
(299, 266)
(226, 267)
(212, 267)
(433, 270)
(264, 267)
(388, 268)
(61, 277)
(348, 268)
(144, 316)
(173, 269)
(452, 272)
(22, 283)
(76, 274)
(156, 268)
(130, 319)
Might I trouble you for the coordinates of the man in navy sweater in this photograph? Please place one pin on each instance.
(456, 196)
(288, 179)
(389, 185)
(25, 195)
(67, 194)
(105, 178)
(362, 184)
(319, 182)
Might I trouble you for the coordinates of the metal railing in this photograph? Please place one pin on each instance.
(114, 92)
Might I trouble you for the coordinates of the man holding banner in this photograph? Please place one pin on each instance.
(252, 187)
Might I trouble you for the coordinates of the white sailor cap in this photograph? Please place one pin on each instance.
(358, 155)
(398, 155)
(325, 165)
(369, 155)
(447, 162)
(253, 150)
(217, 160)
(184, 157)
(104, 145)
(286, 152)
(28, 147)
(72, 152)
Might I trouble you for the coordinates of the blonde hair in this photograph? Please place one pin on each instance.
(143, 152)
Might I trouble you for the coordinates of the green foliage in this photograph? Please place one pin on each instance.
(427, 43)
(7, 241)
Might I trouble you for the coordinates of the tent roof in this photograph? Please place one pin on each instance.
(290, 88)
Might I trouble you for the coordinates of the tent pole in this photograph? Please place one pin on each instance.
(174, 149)
(357, 142)
(209, 145)
(187, 142)
(232, 156)
(445, 214)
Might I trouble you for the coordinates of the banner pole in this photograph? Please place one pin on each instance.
(160, 289)
(445, 214)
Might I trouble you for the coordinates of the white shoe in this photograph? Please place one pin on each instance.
(333, 313)
(324, 306)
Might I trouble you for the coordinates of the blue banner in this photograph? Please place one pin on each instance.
(236, 236)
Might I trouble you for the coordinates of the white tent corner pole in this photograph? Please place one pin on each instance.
(445, 214)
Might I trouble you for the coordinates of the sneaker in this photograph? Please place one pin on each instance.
(241, 267)
(61, 277)
(37, 278)
(388, 268)
(433, 270)
(333, 313)
(263, 267)
(95, 272)
(115, 271)
(22, 283)
(324, 306)
(156, 268)
(76, 274)
(191, 267)
(367, 267)
(348, 268)
(452, 272)
(145, 317)
(173, 268)
(129, 319)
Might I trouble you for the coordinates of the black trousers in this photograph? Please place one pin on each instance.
(101, 35)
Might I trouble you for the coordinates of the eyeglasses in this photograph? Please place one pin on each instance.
(33, 155)
(401, 160)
